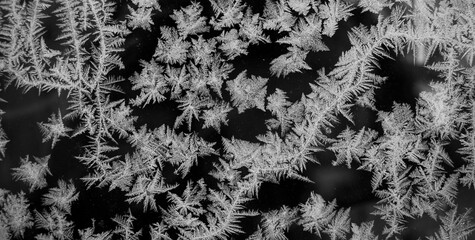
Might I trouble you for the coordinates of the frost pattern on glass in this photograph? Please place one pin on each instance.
(198, 186)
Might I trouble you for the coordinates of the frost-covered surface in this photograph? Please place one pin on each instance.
(191, 177)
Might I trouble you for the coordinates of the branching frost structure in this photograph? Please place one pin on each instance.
(194, 68)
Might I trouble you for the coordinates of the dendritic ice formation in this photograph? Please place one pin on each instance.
(192, 178)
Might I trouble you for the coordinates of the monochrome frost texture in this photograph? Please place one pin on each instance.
(53, 129)
(15, 216)
(62, 196)
(33, 173)
(166, 134)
